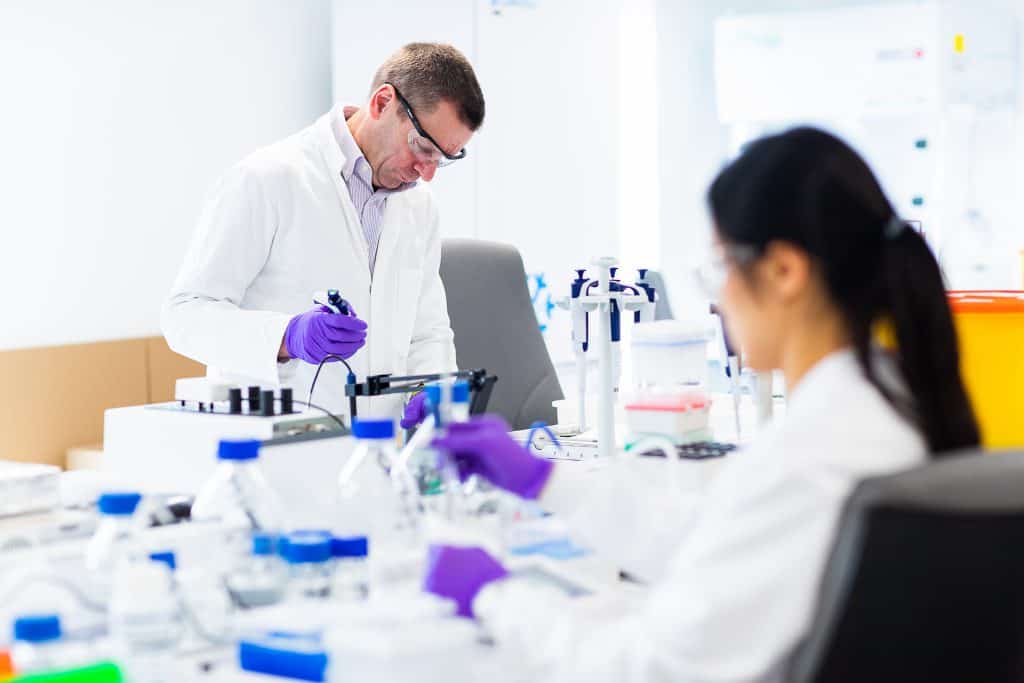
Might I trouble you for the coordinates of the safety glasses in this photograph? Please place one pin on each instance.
(712, 274)
(424, 147)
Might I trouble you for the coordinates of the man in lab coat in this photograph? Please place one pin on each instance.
(339, 205)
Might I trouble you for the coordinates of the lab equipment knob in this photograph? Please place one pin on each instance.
(267, 403)
(254, 399)
(642, 272)
(580, 272)
(235, 401)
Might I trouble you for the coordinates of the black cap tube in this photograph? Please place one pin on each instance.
(254, 399)
(286, 401)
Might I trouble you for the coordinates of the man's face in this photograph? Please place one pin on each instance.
(395, 160)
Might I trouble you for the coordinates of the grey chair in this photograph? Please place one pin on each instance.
(496, 328)
(926, 579)
(662, 307)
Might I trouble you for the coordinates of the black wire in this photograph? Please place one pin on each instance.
(321, 409)
(320, 367)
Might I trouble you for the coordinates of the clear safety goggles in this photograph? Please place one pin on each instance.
(427, 152)
(712, 274)
(424, 147)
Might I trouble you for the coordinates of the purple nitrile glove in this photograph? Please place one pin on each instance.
(416, 411)
(483, 446)
(318, 333)
(460, 573)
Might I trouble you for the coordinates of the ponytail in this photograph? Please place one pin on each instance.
(810, 189)
(927, 350)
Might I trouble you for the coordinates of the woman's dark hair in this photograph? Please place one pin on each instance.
(810, 189)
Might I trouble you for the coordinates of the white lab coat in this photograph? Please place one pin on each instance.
(739, 589)
(281, 225)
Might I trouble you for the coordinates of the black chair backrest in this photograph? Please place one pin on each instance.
(926, 578)
(496, 328)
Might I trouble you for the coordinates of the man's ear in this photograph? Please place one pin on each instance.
(381, 98)
(787, 268)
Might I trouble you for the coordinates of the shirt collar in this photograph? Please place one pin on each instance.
(351, 153)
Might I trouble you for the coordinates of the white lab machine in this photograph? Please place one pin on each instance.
(172, 448)
(926, 91)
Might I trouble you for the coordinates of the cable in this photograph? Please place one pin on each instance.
(540, 426)
(329, 357)
(321, 409)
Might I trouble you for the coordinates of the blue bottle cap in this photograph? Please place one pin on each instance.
(263, 544)
(354, 546)
(167, 557)
(304, 547)
(460, 393)
(373, 429)
(118, 503)
(38, 628)
(238, 449)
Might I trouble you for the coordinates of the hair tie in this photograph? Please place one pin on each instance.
(895, 227)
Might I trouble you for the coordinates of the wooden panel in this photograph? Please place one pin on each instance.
(53, 398)
(165, 366)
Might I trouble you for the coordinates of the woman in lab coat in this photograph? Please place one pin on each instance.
(810, 256)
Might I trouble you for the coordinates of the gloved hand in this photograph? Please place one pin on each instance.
(483, 446)
(318, 333)
(460, 573)
(416, 411)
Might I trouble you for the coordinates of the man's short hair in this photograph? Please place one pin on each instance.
(427, 73)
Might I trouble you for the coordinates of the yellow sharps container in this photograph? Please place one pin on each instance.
(990, 326)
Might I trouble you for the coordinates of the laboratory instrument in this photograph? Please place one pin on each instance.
(606, 299)
(377, 515)
(146, 621)
(39, 645)
(480, 386)
(116, 534)
(238, 496)
(308, 554)
(332, 299)
(260, 579)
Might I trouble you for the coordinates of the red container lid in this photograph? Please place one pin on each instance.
(670, 404)
(987, 301)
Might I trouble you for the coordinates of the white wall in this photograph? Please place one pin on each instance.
(116, 116)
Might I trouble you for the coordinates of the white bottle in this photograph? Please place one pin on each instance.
(461, 499)
(116, 535)
(351, 579)
(377, 516)
(262, 578)
(308, 554)
(39, 645)
(238, 496)
(146, 620)
(434, 472)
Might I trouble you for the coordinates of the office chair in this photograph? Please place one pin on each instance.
(662, 307)
(496, 328)
(926, 578)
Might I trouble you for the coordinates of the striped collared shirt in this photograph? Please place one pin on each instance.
(358, 176)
